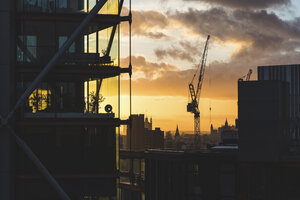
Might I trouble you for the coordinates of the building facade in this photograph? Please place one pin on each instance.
(290, 74)
(71, 120)
(140, 135)
(263, 114)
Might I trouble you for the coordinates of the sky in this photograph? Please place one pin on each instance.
(168, 37)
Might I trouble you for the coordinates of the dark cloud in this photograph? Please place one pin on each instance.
(259, 31)
(174, 53)
(183, 51)
(156, 35)
(175, 83)
(263, 37)
(146, 23)
(150, 69)
(247, 3)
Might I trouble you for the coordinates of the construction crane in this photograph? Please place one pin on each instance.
(246, 77)
(195, 96)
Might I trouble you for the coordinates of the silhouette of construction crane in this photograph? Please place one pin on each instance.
(195, 95)
(246, 77)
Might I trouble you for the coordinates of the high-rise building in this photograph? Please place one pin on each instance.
(71, 120)
(290, 74)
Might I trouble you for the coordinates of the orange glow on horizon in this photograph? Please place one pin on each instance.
(168, 111)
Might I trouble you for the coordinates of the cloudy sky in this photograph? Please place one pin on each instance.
(169, 36)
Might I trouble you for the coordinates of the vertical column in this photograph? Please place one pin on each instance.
(7, 62)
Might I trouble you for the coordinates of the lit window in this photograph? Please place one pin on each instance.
(40, 100)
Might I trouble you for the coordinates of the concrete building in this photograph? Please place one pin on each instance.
(70, 117)
(290, 74)
(140, 135)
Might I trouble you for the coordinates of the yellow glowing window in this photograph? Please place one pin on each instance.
(40, 100)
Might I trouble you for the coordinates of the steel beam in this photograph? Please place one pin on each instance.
(113, 32)
(99, 19)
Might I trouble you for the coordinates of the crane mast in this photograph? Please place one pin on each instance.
(193, 105)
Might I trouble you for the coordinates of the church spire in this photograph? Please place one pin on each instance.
(177, 131)
(226, 123)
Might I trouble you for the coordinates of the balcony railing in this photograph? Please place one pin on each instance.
(85, 59)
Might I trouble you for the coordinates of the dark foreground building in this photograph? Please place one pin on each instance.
(190, 175)
(263, 117)
(219, 175)
(71, 120)
(289, 74)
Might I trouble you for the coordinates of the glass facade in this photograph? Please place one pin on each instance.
(37, 43)
(68, 99)
(65, 6)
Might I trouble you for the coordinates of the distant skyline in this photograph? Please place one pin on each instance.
(168, 38)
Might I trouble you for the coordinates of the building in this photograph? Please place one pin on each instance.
(168, 143)
(70, 120)
(229, 134)
(140, 135)
(290, 74)
(263, 114)
(187, 140)
(218, 174)
(177, 175)
(132, 175)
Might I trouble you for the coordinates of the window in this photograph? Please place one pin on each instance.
(62, 40)
(40, 100)
(62, 3)
(26, 49)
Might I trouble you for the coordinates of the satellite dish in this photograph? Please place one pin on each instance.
(108, 108)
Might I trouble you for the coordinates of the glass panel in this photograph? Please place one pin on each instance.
(40, 100)
(92, 43)
(117, 148)
(62, 3)
(36, 5)
(92, 3)
(86, 46)
(62, 40)
(20, 55)
(114, 52)
(51, 6)
(103, 39)
(111, 7)
(94, 100)
(108, 95)
(86, 97)
(26, 48)
(66, 6)
(110, 91)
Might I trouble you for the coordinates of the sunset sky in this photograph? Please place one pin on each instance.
(168, 37)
